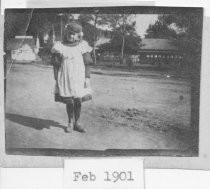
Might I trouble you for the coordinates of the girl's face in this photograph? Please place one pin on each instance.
(72, 37)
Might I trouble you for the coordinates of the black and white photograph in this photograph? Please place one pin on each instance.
(102, 81)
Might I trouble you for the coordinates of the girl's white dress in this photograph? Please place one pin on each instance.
(71, 74)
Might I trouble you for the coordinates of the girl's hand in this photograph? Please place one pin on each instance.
(87, 82)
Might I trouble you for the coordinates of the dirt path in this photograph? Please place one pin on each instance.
(127, 112)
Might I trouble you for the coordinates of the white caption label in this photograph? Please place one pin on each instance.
(104, 173)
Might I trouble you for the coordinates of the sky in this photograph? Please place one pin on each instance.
(143, 21)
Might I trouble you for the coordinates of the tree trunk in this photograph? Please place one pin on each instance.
(94, 40)
(123, 41)
(94, 54)
(61, 28)
(122, 50)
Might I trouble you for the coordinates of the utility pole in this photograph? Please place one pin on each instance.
(95, 17)
(61, 15)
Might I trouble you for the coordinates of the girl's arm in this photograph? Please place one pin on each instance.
(56, 57)
(87, 61)
(56, 60)
(55, 68)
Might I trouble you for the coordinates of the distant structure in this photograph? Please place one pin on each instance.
(23, 49)
(159, 51)
(153, 51)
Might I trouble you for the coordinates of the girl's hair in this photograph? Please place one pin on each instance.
(74, 29)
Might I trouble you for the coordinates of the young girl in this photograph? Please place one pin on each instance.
(73, 74)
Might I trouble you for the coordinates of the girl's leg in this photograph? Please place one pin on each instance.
(77, 111)
(70, 112)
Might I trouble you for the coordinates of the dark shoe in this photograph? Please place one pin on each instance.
(69, 129)
(78, 128)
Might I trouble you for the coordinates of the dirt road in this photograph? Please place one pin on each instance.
(144, 110)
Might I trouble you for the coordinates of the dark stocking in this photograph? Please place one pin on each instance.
(77, 109)
(70, 111)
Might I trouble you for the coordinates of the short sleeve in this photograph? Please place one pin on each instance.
(57, 47)
(84, 47)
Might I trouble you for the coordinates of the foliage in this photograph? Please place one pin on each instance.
(100, 19)
(118, 20)
(189, 40)
(16, 23)
(189, 23)
(132, 41)
(187, 30)
(96, 19)
(88, 30)
(160, 30)
(124, 37)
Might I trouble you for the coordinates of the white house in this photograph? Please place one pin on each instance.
(23, 48)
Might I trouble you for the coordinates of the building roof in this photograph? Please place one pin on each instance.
(16, 43)
(156, 44)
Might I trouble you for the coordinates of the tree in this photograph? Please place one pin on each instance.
(119, 24)
(160, 30)
(130, 44)
(188, 28)
(190, 41)
(96, 19)
(17, 23)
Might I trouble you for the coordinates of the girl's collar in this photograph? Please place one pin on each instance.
(72, 44)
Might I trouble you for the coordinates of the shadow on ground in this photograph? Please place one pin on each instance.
(35, 123)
